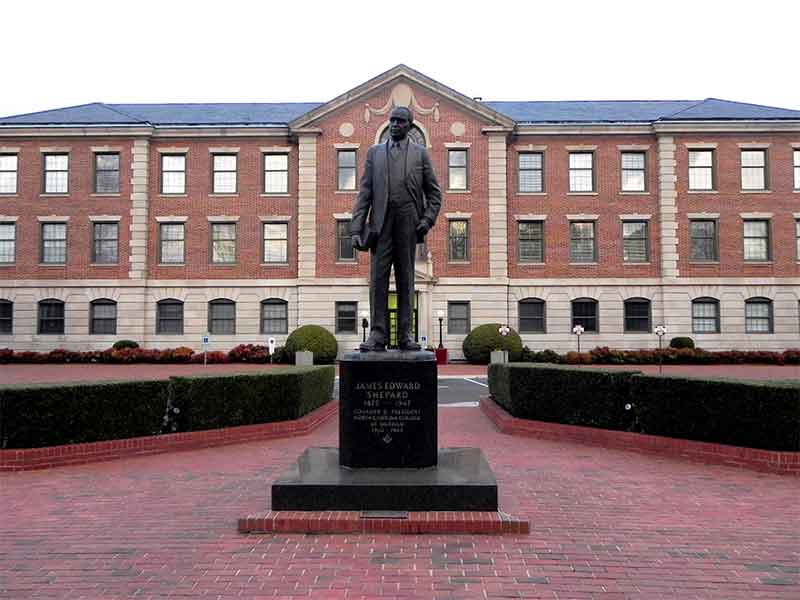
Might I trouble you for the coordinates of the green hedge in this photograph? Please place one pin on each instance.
(212, 402)
(563, 394)
(753, 414)
(33, 416)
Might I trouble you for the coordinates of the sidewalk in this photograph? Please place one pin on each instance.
(604, 524)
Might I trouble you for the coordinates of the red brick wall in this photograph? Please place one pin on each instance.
(729, 202)
(475, 202)
(29, 203)
(197, 205)
(608, 204)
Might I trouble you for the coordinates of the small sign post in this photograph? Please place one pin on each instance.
(423, 341)
(271, 344)
(660, 331)
(206, 340)
(578, 331)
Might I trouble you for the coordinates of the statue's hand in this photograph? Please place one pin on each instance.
(422, 228)
(354, 240)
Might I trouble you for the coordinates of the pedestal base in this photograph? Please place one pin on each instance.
(462, 481)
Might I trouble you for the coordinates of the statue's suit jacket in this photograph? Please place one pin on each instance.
(369, 211)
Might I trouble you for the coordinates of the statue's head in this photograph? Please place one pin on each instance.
(400, 122)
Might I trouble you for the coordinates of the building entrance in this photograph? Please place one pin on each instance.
(392, 317)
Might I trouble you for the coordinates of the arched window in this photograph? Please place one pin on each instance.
(222, 317)
(169, 317)
(637, 315)
(584, 313)
(51, 317)
(705, 315)
(758, 315)
(103, 317)
(274, 316)
(6, 317)
(532, 316)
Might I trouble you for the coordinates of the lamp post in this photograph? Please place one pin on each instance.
(364, 325)
(503, 331)
(660, 331)
(578, 331)
(440, 316)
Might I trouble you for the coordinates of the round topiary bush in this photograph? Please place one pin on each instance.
(122, 344)
(681, 342)
(480, 342)
(314, 338)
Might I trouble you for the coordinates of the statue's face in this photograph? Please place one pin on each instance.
(399, 125)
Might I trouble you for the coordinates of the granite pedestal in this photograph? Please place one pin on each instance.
(388, 456)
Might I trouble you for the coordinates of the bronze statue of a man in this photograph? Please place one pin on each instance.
(397, 204)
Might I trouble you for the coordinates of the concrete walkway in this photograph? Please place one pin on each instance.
(604, 524)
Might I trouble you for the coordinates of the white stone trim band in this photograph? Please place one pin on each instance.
(754, 145)
(756, 215)
(174, 150)
(635, 217)
(582, 217)
(223, 218)
(633, 147)
(52, 219)
(342, 216)
(224, 150)
(457, 145)
(275, 218)
(347, 146)
(530, 217)
(702, 215)
(172, 219)
(275, 149)
(700, 145)
(458, 215)
(106, 218)
(8, 219)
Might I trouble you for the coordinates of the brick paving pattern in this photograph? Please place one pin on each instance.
(604, 524)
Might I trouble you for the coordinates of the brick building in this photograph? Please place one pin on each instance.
(159, 222)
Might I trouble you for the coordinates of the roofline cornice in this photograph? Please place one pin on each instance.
(726, 126)
(400, 72)
(584, 129)
(72, 131)
(141, 131)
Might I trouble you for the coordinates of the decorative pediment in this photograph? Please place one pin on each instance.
(402, 80)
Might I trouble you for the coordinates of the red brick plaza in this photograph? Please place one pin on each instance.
(604, 524)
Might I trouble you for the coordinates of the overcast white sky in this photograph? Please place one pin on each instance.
(64, 53)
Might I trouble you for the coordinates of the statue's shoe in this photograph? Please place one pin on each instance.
(409, 346)
(372, 346)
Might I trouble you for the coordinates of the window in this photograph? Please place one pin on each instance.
(222, 317)
(103, 317)
(54, 243)
(106, 173)
(756, 241)
(633, 172)
(8, 173)
(458, 317)
(531, 172)
(223, 243)
(346, 317)
(344, 245)
(701, 170)
(754, 169)
(703, 240)
(6, 317)
(797, 237)
(457, 172)
(276, 173)
(169, 317)
(274, 316)
(276, 242)
(105, 245)
(458, 239)
(635, 243)
(584, 313)
(637, 315)
(705, 315)
(346, 179)
(56, 173)
(172, 243)
(581, 172)
(173, 173)
(797, 169)
(51, 317)
(531, 241)
(224, 181)
(582, 242)
(531, 316)
(758, 315)
(8, 242)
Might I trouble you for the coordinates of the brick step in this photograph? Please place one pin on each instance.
(465, 522)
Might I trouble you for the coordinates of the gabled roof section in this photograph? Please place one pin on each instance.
(590, 111)
(165, 115)
(404, 73)
(714, 109)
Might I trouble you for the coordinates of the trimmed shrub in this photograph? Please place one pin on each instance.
(317, 339)
(122, 344)
(480, 342)
(754, 414)
(251, 353)
(198, 403)
(32, 416)
(681, 342)
(563, 394)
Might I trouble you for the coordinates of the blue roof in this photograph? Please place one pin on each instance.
(264, 114)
